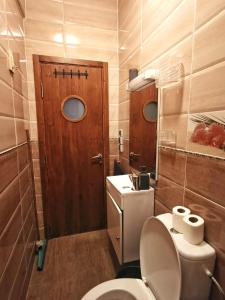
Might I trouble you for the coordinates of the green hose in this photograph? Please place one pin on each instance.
(41, 255)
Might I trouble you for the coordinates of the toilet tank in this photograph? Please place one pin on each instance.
(194, 259)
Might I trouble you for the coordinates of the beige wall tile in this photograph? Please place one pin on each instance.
(20, 132)
(124, 110)
(6, 100)
(132, 43)
(43, 48)
(96, 16)
(177, 27)
(113, 76)
(3, 30)
(113, 94)
(209, 45)
(18, 105)
(4, 72)
(211, 98)
(113, 129)
(49, 11)
(123, 93)
(154, 13)
(32, 111)
(175, 98)
(7, 133)
(44, 31)
(178, 124)
(90, 37)
(133, 61)
(92, 53)
(113, 112)
(205, 10)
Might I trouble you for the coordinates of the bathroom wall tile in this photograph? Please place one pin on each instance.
(18, 105)
(206, 10)
(213, 215)
(26, 202)
(129, 14)
(123, 93)
(96, 16)
(9, 200)
(175, 98)
(113, 129)
(28, 223)
(113, 112)
(169, 193)
(205, 53)
(113, 146)
(129, 45)
(157, 12)
(103, 4)
(20, 132)
(8, 168)
(32, 111)
(4, 72)
(210, 98)
(125, 153)
(113, 76)
(44, 31)
(160, 208)
(40, 219)
(10, 272)
(113, 94)
(7, 133)
(124, 111)
(33, 131)
(17, 81)
(8, 238)
(204, 176)
(6, 100)
(23, 158)
(177, 27)
(3, 29)
(90, 37)
(172, 165)
(178, 124)
(42, 48)
(49, 11)
(24, 181)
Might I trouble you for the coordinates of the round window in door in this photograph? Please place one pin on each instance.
(74, 108)
(150, 111)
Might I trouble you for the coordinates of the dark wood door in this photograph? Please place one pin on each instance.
(73, 179)
(142, 140)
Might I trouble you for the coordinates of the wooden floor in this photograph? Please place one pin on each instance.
(73, 265)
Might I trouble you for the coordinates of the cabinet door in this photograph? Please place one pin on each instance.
(114, 221)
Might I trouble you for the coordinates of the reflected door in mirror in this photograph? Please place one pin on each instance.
(143, 127)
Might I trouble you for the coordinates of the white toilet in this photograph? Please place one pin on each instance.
(171, 268)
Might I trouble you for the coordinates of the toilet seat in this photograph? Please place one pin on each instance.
(121, 289)
(160, 270)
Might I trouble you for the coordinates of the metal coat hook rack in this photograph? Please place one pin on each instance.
(70, 73)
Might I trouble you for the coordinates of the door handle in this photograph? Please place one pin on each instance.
(134, 155)
(98, 158)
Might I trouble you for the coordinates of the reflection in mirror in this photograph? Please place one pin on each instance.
(143, 128)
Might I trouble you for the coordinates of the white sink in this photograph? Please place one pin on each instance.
(121, 187)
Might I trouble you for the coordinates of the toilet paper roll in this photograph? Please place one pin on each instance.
(193, 229)
(178, 213)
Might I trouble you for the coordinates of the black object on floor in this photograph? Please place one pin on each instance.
(130, 270)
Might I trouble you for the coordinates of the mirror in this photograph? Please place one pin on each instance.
(143, 128)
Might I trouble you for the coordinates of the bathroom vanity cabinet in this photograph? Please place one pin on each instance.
(127, 211)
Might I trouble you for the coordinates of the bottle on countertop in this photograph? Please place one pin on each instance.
(143, 179)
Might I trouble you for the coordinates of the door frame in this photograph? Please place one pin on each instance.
(37, 61)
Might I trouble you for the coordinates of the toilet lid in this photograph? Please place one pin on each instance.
(160, 262)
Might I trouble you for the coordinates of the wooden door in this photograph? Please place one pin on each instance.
(72, 175)
(142, 139)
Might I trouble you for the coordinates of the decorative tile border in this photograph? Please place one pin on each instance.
(191, 152)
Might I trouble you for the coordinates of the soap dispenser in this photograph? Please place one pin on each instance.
(143, 179)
